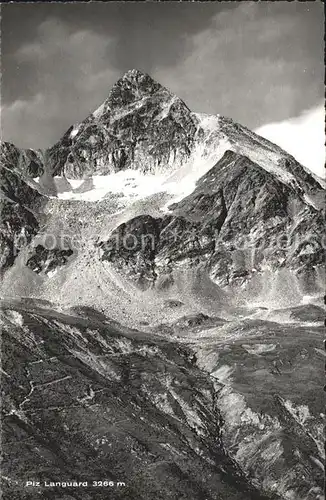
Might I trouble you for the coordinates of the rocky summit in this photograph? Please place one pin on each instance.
(162, 274)
(140, 125)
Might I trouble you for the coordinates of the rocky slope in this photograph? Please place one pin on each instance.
(177, 259)
(267, 376)
(239, 220)
(19, 205)
(26, 162)
(85, 399)
(227, 204)
(91, 401)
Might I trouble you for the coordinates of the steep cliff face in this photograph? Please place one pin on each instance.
(141, 125)
(25, 162)
(18, 218)
(17, 228)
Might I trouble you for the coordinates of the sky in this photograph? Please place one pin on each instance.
(258, 63)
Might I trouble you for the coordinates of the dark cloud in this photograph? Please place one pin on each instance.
(70, 77)
(256, 62)
(261, 63)
(143, 33)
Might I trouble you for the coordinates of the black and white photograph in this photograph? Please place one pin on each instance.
(162, 264)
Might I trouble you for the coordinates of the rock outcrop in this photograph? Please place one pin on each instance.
(19, 222)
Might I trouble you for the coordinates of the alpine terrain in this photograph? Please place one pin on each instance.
(162, 275)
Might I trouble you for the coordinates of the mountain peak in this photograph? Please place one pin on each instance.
(133, 85)
(141, 125)
(134, 74)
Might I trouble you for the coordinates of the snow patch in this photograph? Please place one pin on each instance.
(166, 108)
(309, 201)
(259, 348)
(301, 412)
(211, 145)
(52, 273)
(127, 183)
(223, 373)
(75, 183)
(15, 317)
(99, 111)
(74, 131)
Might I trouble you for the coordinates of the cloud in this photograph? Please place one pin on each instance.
(22, 116)
(303, 137)
(32, 120)
(250, 64)
(70, 72)
(243, 60)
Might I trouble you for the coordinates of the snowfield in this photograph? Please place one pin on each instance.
(127, 183)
